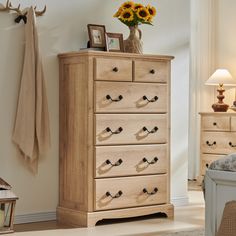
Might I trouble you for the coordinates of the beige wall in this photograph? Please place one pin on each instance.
(63, 29)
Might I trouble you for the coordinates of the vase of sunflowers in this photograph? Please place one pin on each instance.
(134, 14)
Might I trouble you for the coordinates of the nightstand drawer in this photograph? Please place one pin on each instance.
(206, 160)
(151, 71)
(131, 129)
(115, 193)
(115, 69)
(216, 123)
(114, 161)
(218, 142)
(130, 97)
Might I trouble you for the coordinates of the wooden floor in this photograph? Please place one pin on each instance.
(186, 218)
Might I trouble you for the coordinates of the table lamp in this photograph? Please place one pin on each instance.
(221, 77)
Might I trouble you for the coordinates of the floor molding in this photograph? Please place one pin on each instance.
(35, 217)
(180, 201)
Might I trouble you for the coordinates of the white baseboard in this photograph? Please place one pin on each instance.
(35, 217)
(180, 201)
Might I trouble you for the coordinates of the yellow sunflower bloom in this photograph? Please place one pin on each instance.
(127, 15)
(127, 5)
(117, 14)
(149, 19)
(143, 13)
(137, 6)
(152, 10)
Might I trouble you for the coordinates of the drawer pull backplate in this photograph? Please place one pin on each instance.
(210, 144)
(232, 145)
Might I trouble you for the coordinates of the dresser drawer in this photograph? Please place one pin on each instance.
(114, 161)
(218, 142)
(216, 123)
(130, 97)
(131, 129)
(206, 160)
(151, 71)
(233, 123)
(113, 69)
(114, 193)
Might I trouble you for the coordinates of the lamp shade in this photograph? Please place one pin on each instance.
(221, 76)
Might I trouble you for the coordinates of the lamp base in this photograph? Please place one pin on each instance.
(220, 107)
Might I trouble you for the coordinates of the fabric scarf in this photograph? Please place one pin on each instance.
(31, 132)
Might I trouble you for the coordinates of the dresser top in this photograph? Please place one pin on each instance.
(229, 113)
(114, 54)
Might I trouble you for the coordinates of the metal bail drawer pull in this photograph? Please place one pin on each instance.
(231, 145)
(154, 130)
(108, 194)
(118, 163)
(210, 144)
(120, 97)
(155, 190)
(119, 130)
(154, 99)
(155, 159)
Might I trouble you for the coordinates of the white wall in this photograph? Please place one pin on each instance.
(225, 41)
(62, 29)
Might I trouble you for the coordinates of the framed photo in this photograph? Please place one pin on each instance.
(97, 38)
(114, 42)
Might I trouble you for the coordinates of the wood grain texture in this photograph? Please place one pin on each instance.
(85, 79)
(132, 191)
(132, 97)
(116, 69)
(217, 137)
(132, 126)
(132, 160)
(150, 71)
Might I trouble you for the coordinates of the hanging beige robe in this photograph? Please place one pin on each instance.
(31, 132)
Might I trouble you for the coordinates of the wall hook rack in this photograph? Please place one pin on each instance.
(21, 14)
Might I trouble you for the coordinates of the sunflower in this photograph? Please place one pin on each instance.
(127, 15)
(117, 14)
(143, 13)
(149, 19)
(137, 6)
(128, 4)
(152, 10)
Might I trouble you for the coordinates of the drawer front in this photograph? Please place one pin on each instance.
(130, 160)
(233, 123)
(113, 69)
(216, 123)
(151, 71)
(115, 193)
(218, 142)
(206, 160)
(131, 129)
(130, 97)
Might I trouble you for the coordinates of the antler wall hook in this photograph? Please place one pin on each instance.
(21, 14)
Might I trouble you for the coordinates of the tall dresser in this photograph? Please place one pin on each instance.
(114, 136)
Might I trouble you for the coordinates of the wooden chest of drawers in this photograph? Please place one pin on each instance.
(114, 136)
(218, 137)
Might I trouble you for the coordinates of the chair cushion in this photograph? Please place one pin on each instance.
(226, 163)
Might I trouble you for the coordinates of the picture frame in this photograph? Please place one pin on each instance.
(97, 36)
(114, 42)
